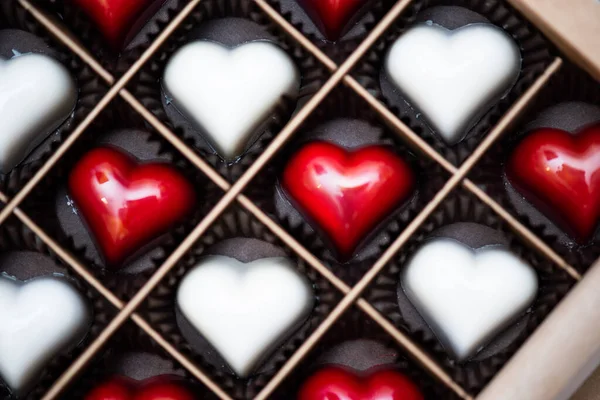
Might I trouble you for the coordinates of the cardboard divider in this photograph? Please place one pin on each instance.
(572, 25)
(551, 365)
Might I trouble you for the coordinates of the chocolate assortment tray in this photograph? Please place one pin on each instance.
(251, 199)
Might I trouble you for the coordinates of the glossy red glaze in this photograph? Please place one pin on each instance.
(347, 194)
(339, 384)
(158, 388)
(115, 18)
(332, 16)
(127, 205)
(560, 174)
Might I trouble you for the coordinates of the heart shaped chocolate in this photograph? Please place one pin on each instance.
(341, 384)
(244, 309)
(467, 296)
(37, 94)
(156, 388)
(40, 318)
(560, 174)
(453, 76)
(347, 193)
(229, 93)
(125, 204)
(332, 16)
(115, 18)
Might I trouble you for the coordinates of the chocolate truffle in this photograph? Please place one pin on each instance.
(164, 387)
(243, 303)
(553, 172)
(451, 68)
(37, 94)
(127, 204)
(228, 92)
(118, 21)
(333, 18)
(329, 184)
(145, 374)
(359, 369)
(73, 220)
(467, 286)
(43, 315)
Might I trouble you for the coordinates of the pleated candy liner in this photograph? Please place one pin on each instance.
(344, 119)
(133, 354)
(160, 308)
(79, 24)
(61, 218)
(86, 31)
(359, 26)
(25, 256)
(536, 53)
(570, 85)
(232, 22)
(28, 36)
(472, 375)
(357, 343)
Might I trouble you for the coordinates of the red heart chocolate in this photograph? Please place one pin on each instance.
(127, 205)
(115, 18)
(332, 17)
(347, 194)
(560, 174)
(158, 388)
(339, 384)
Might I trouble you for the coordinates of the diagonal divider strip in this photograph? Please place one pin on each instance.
(261, 216)
(82, 271)
(108, 97)
(421, 145)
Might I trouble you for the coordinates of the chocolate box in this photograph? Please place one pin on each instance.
(545, 358)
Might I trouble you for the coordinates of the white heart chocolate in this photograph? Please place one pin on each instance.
(230, 93)
(40, 318)
(245, 309)
(468, 296)
(37, 94)
(453, 76)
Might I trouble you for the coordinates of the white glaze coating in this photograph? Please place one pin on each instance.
(229, 93)
(468, 296)
(39, 319)
(37, 94)
(245, 309)
(453, 76)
